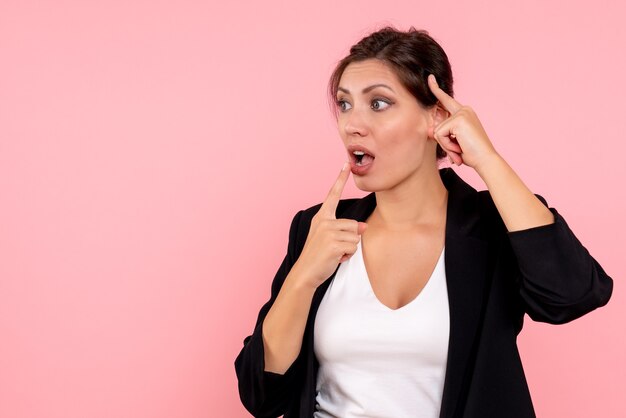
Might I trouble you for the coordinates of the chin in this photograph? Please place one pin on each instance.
(370, 184)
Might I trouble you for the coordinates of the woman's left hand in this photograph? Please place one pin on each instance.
(461, 135)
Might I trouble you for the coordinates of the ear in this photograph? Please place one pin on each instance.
(437, 115)
(440, 113)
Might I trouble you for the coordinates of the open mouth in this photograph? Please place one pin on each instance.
(362, 158)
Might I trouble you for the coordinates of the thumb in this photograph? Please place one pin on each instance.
(362, 227)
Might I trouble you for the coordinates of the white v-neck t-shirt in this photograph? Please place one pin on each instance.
(376, 361)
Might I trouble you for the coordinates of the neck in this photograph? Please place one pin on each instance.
(421, 199)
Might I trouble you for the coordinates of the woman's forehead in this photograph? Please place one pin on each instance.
(364, 73)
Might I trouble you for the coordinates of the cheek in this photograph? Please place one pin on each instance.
(411, 137)
(411, 124)
(420, 128)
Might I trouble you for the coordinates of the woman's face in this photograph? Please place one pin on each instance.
(383, 127)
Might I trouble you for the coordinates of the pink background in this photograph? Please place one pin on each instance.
(139, 140)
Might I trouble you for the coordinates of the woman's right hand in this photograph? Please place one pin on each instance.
(330, 240)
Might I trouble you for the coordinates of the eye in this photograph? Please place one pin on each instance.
(343, 105)
(380, 104)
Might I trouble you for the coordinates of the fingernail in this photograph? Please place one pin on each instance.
(345, 165)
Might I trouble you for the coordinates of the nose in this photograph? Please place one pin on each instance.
(355, 123)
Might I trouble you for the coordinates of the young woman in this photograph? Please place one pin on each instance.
(408, 302)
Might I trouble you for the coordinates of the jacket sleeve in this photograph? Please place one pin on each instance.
(560, 280)
(267, 394)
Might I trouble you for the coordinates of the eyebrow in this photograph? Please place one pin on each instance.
(366, 89)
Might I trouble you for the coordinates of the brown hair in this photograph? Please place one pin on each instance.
(413, 55)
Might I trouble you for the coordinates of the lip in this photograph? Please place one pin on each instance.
(359, 170)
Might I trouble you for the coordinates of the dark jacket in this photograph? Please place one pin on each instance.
(494, 277)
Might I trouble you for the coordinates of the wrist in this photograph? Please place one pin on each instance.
(297, 280)
(489, 164)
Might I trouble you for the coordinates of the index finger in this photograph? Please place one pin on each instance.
(445, 99)
(329, 206)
